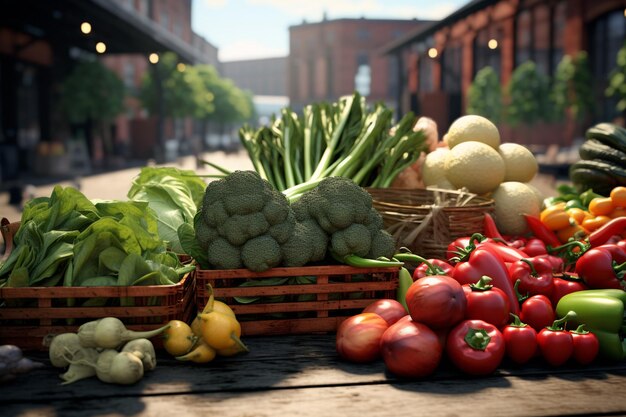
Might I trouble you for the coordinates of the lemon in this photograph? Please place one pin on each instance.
(513, 199)
(475, 166)
(519, 161)
(433, 168)
(472, 128)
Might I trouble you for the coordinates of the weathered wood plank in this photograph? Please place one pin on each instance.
(594, 393)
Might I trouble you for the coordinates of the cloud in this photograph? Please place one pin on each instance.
(249, 49)
(314, 10)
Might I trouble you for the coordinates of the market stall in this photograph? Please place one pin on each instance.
(325, 281)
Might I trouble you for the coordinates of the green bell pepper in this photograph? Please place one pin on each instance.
(602, 311)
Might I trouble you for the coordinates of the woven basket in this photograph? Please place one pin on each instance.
(427, 220)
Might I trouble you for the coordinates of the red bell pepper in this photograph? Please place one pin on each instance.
(564, 284)
(558, 265)
(475, 347)
(555, 343)
(586, 345)
(455, 247)
(535, 247)
(484, 262)
(432, 267)
(603, 267)
(486, 302)
(534, 274)
(504, 251)
(520, 341)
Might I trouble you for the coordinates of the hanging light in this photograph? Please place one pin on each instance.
(101, 47)
(85, 27)
(492, 44)
(432, 52)
(153, 58)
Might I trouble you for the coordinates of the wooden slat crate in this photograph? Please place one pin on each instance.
(28, 315)
(338, 292)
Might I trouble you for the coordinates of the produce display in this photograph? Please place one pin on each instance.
(543, 279)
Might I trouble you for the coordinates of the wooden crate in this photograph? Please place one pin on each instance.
(28, 315)
(338, 292)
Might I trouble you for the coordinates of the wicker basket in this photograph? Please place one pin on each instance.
(317, 300)
(427, 220)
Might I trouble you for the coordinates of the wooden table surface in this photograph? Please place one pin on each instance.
(303, 376)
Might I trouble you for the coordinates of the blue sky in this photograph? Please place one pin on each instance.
(248, 29)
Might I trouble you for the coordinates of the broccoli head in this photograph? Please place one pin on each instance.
(307, 243)
(244, 219)
(383, 244)
(353, 240)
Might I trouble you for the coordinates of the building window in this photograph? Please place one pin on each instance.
(425, 73)
(523, 37)
(541, 27)
(165, 18)
(485, 53)
(558, 30)
(363, 76)
(362, 34)
(129, 75)
(606, 35)
(451, 64)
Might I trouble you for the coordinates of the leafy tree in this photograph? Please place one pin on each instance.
(484, 96)
(528, 96)
(571, 92)
(617, 81)
(92, 95)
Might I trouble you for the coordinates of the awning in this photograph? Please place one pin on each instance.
(122, 30)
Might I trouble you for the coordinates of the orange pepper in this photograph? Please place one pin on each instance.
(579, 215)
(595, 222)
(555, 217)
(618, 196)
(601, 206)
(618, 212)
(572, 231)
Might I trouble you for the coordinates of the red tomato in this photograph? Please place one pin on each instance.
(537, 311)
(410, 349)
(358, 337)
(586, 345)
(520, 341)
(486, 302)
(556, 346)
(389, 309)
(565, 284)
(475, 347)
(437, 301)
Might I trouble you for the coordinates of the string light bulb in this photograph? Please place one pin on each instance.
(101, 47)
(153, 58)
(492, 44)
(85, 27)
(432, 52)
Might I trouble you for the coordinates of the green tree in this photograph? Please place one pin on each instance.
(92, 95)
(169, 90)
(484, 96)
(527, 96)
(617, 81)
(571, 91)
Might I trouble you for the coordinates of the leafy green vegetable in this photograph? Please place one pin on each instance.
(173, 194)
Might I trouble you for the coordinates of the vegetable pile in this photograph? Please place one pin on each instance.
(106, 349)
(245, 222)
(68, 240)
(345, 139)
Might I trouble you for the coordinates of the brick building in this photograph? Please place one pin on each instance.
(332, 58)
(503, 34)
